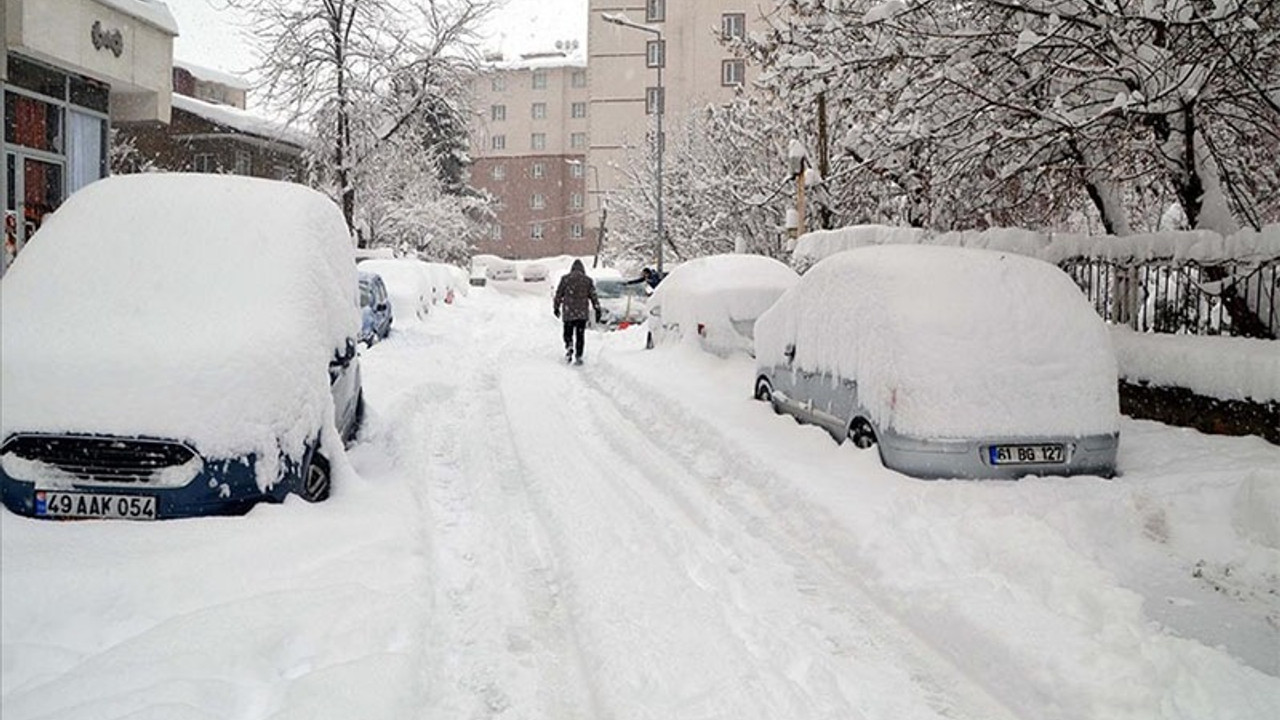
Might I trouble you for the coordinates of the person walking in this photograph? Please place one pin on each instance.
(575, 296)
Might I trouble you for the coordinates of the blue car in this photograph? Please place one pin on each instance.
(178, 345)
(375, 309)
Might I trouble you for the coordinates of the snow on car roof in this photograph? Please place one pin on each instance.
(721, 287)
(199, 307)
(951, 342)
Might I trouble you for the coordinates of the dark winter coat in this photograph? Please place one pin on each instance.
(576, 294)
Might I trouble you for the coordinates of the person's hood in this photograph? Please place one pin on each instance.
(578, 267)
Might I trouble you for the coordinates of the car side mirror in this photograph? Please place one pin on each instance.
(344, 356)
(790, 352)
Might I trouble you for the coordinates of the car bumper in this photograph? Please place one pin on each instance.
(969, 459)
(227, 487)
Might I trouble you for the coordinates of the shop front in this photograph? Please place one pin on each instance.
(67, 77)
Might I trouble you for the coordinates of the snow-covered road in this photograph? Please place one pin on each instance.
(636, 538)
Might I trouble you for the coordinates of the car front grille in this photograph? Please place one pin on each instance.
(101, 459)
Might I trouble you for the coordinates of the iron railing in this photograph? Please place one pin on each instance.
(1166, 296)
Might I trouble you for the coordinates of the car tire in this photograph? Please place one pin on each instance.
(861, 434)
(764, 392)
(317, 480)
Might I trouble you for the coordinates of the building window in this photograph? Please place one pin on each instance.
(539, 80)
(575, 169)
(539, 111)
(655, 52)
(578, 110)
(655, 10)
(244, 163)
(498, 142)
(535, 231)
(539, 170)
(498, 83)
(733, 26)
(204, 163)
(575, 231)
(498, 172)
(733, 72)
(495, 232)
(538, 141)
(578, 140)
(653, 101)
(538, 201)
(579, 78)
(497, 113)
(575, 201)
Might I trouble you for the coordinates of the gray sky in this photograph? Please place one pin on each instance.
(209, 35)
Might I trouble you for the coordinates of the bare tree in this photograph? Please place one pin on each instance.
(358, 72)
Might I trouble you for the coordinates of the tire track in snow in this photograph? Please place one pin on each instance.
(703, 590)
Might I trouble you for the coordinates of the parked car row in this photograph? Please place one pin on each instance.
(954, 363)
(167, 354)
(404, 288)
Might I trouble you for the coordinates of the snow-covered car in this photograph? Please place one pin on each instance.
(956, 362)
(622, 304)
(447, 281)
(500, 270)
(716, 299)
(408, 286)
(375, 309)
(178, 345)
(534, 272)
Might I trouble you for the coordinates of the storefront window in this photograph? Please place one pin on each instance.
(37, 78)
(32, 123)
(90, 94)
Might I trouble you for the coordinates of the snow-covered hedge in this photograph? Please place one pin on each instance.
(1219, 367)
(1248, 246)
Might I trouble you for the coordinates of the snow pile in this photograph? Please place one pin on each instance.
(155, 305)
(814, 246)
(724, 294)
(951, 342)
(408, 286)
(1221, 367)
(445, 277)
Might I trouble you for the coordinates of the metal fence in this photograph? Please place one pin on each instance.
(1166, 296)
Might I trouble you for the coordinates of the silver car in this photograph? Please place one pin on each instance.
(957, 363)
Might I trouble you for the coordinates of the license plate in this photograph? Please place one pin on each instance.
(1026, 454)
(91, 505)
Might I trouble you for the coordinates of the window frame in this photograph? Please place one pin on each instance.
(578, 110)
(538, 201)
(538, 141)
(655, 11)
(539, 81)
(727, 23)
(726, 66)
(538, 170)
(497, 113)
(654, 100)
(536, 231)
(655, 53)
(498, 142)
(538, 111)
(578, 140)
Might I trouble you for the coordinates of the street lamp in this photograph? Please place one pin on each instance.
(624, 21)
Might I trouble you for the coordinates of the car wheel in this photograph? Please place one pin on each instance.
(316, 480)
(862, 434)
(764, 392)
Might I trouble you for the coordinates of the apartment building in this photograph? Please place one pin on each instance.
(696, 67)
(529, 147)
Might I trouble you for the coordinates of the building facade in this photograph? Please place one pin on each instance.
(210, 131)
(697, 68)
(71, 69)
(529, 140)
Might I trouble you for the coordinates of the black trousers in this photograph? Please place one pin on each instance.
(574, 336)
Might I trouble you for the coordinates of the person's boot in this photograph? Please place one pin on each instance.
(568, 354)
(577, 360)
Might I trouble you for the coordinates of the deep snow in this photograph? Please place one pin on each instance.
(637, 538)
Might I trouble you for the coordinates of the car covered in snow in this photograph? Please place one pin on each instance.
(375, 309)
(622, 303)
(408, 286)
(954, 362)
(534, 272)
(447, 281)
(716, 300)
(498, 269)
(178, 345)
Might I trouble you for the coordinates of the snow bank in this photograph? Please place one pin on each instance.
(951, 342)
(1221, 367)
(156, 305)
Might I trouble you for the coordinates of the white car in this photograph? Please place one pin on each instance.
(956, 362)
(500, 270)
(715, 300)
(534, 272)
